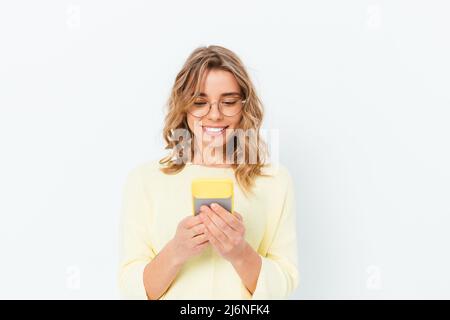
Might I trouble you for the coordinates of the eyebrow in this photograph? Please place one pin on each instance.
(226, 94)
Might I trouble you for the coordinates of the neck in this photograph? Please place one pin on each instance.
(211, 157)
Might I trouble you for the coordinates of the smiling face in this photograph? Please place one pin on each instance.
(214, 129)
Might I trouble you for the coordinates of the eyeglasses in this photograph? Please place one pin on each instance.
(229, 106)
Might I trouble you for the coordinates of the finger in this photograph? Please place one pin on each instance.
(197, 229)
(200, 239)
(230, 219)
(213, 240)
(221, 224)
(191, 221)
(212, 227)
(199, 248)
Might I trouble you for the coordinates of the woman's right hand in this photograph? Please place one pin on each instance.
(189, 239)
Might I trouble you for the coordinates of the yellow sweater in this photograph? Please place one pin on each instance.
(153, 205)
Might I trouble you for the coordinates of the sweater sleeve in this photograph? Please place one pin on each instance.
(135, 249)
(279, 276)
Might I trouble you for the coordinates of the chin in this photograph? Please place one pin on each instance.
(215, 143)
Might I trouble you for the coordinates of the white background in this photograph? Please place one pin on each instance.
(359, 91)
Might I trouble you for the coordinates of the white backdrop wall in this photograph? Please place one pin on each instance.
(359, 91)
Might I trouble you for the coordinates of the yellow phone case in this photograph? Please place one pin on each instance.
(207, 191)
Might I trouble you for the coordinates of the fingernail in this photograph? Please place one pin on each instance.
(214, 205)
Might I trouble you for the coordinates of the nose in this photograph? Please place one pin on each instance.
(214, 113)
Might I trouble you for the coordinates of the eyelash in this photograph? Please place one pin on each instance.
(225, 102)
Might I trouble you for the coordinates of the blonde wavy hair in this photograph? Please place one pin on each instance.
(184, 91)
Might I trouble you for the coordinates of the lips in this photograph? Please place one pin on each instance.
(214, 131)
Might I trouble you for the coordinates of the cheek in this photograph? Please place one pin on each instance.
(191, 123)
(235, 122)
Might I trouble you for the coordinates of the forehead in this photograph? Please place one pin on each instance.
(217, 82)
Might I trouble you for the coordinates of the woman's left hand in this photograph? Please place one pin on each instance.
(225, 231)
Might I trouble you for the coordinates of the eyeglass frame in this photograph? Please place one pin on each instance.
(218, 108)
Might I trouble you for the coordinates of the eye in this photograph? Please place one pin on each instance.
(200, 103)
(229, 102)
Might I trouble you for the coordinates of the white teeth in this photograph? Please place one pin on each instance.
(210, 129)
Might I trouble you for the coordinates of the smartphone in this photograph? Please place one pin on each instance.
(207, 191)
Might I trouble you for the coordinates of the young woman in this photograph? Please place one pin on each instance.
(169, 253)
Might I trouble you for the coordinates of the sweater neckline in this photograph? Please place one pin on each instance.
(200, 166)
